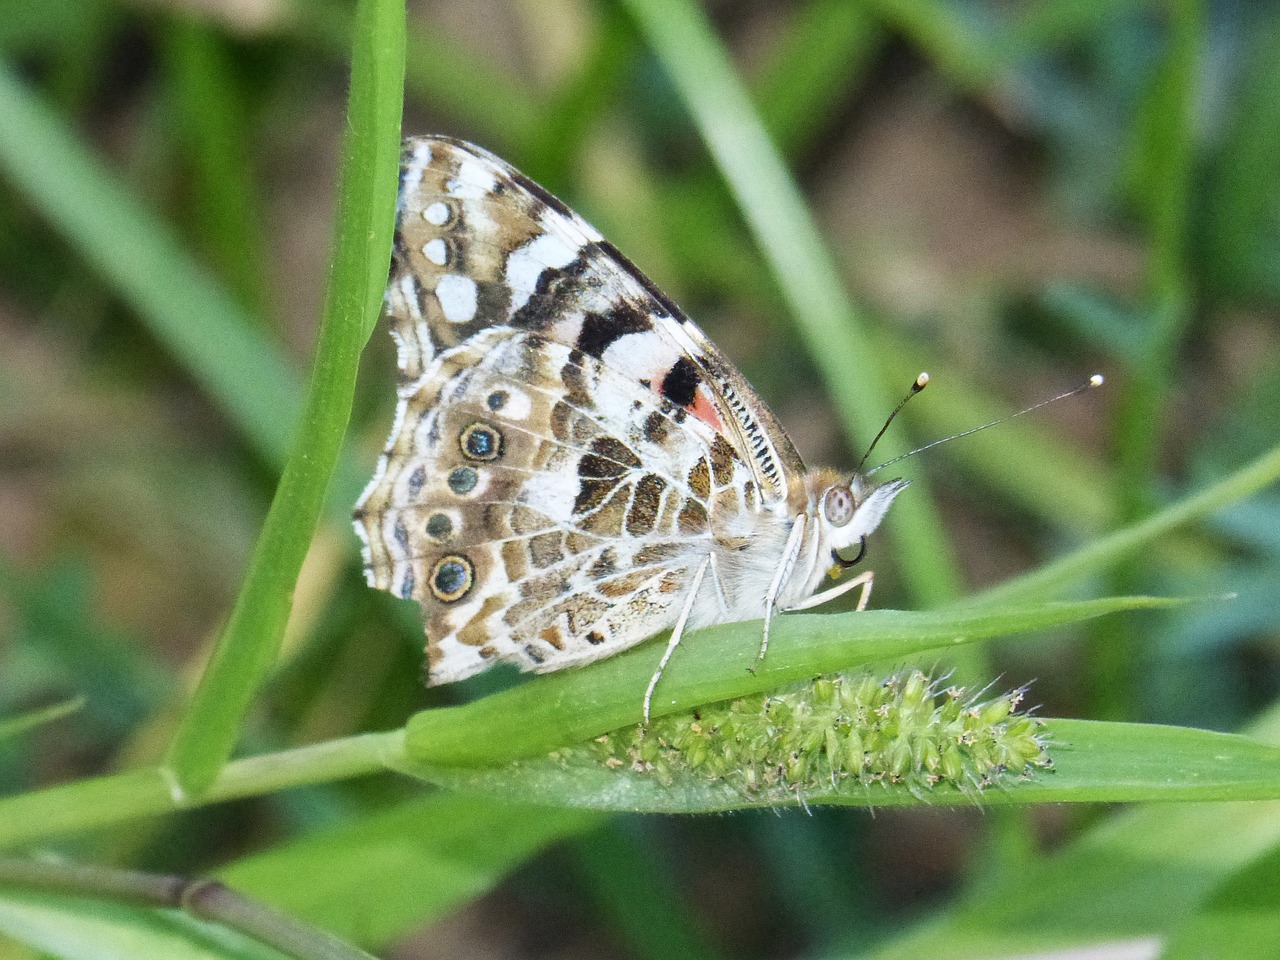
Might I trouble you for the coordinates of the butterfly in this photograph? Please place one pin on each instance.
(574, 467)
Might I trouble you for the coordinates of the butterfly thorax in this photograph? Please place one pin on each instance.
(804, 538)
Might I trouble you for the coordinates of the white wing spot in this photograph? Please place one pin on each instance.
(552, 492)
(475, 181)
(517, 406)
(436, 213)
(435, 251)
(457, 296)
(526, 264)
(646, 353)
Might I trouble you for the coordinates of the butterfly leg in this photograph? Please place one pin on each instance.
(676, 632)
(720, 595)
(862, 580)
(789, 554)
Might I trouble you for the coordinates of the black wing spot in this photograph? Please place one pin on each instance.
(439, 527)
(601, 330)
(462, 480)
(680, 385)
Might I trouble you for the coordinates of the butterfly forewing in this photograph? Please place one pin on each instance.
(564, 435)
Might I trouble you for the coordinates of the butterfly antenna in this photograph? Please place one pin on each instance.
(1094, 381)
(922, 381)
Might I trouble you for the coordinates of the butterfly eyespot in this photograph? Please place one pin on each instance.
(463, 480)
(439, 526)
(838, 506)
(451, 578)
(481, 442)
(497, 400)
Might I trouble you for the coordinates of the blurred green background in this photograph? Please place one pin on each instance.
(1016, 194)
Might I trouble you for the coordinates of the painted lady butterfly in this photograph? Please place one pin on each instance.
(574, 466)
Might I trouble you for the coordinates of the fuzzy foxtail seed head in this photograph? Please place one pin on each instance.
(839, 733)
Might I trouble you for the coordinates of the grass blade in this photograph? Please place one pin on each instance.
(831, 325)
(99, 802)
(396, 875)
(574, 705)
(1094, 762)
(147, 264)
(248, 647)
(1100, 555)
(11, 727)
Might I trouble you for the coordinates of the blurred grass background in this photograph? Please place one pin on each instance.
(1015, 194)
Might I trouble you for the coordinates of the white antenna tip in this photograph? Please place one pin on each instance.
(922, 381)
(1096, 380)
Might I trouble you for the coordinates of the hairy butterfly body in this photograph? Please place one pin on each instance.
(574, 467)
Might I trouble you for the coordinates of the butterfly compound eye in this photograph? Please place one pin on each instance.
(838, 505)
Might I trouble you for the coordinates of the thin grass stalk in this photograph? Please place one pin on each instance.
(248, 646)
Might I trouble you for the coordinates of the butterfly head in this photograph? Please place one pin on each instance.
(851, 510)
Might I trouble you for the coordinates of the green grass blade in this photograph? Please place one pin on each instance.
(1101, 762)
(1094, 762)
(1161, 184)
(832, 327)
(1161, 181)
(198, 321)
(214, 136)
(405, 866)
(146, 263)
(1240, 231)
(1137, 874)
(1097, 557)
(638, 895)
(962, 54)
(818, 62)
(99, 802)
(248, 647)
(1241, 915)
(154, 908)
(712, 665)
(80, 928)
(11, 727)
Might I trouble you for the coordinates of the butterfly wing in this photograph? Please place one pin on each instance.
(564, 434)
